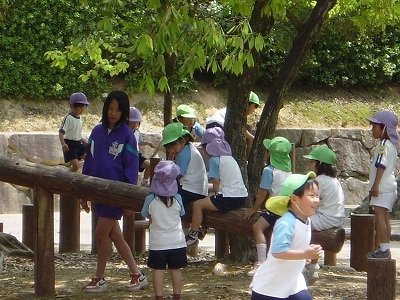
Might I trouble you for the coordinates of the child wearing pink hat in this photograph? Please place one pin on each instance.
(167, 246)
(228, 186)
(382, 181)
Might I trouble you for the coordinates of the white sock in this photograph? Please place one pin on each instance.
(384, 246)
(261, 252)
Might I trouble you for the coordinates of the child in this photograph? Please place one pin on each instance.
(135, 117)
(186, 115)
(272, 178)
(112, 154)
(167, 247)
(330, 211)
(280, 276)
(70, 132)
(382, 181)
(193, 184)
(230, 191)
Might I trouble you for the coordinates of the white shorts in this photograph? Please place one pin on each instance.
(385, 200)
(321, 222)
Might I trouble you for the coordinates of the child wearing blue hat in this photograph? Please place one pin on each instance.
(275, 172)
(280, 276)
(382, 181)
(167, 246)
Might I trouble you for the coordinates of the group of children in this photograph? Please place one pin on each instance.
(295, 204)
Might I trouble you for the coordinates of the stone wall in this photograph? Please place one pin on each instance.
(352, 147)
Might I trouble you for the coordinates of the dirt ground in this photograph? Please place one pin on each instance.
(75, 270)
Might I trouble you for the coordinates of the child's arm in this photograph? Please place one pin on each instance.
(311, 252)
(64, 146)
(375, 187)
(147, 144)
(215, 182)
(262, 194)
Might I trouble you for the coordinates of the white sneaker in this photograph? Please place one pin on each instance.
(97, 285)
(138, 282)
(254, 269)
(145, 182)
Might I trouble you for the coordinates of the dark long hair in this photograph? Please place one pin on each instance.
(166, 200)
(326, 169)
(123, 105)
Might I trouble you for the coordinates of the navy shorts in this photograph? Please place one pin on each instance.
(188, 197)
(171, 258)
(302, 295)
(107, 211)
(76, 150)
(225, 204)
(141, 160)
(270, 217)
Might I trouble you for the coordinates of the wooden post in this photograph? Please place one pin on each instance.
(362, 240)
(221, 243)
(128, 224)
(293, 158)
(381, 279)
(139, 235)
(329, 258)
(1, 227)
(69, 224)
(44, 244)
(153, 163)
(28, 226)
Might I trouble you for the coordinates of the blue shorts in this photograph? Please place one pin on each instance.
(76, 150)
(107, 211)
(302, 295)
(270, 217)
(188, 197)
(171, 258)
(225, 204)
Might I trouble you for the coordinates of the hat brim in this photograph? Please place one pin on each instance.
(189, 116)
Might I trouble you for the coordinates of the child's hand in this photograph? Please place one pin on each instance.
(251, 211)
(65, 147)
(374, 190)
(313, 251)
(127, 213)
(85, 206)
(151, 145)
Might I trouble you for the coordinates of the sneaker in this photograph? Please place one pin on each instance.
(378, 253)
(192, 238)
(138, 282)
(254, 269)
(145, 182)
(202, 233)
(97, 285)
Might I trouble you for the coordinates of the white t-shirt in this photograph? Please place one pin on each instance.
(165, 229)
(217, 117)
(272, 179)
(71, 126)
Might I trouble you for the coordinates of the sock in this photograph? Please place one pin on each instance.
(261, 252)
(384, 246)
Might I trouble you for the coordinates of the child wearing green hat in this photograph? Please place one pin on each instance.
(274, 173)
(280, 276)
(187, 116)
(330, 212)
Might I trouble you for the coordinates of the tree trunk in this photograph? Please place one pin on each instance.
(170, 64)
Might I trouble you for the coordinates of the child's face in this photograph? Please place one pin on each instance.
(186, 122)
(251, 108)
(113, 114)
(376, 130)
(307, 204)
(176, 147)
(133, 125)
(78, 110)
(311, 165)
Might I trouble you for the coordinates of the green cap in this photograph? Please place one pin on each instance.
(279, 149)
(171, 133)
(279, 204)
(253, 98)
(185, 111)
(322, 154)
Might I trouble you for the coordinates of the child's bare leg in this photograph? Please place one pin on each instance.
(197, 214)
(146, 166)
(158, 282)
(177, 281)
(382, 230)
(261, 243)
(74, 165)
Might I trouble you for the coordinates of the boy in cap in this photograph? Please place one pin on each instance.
(186, 115)
(280, 276)
(70, 132)
(135, 117)
(382, 181)
(167, 246)
(228, 186)
(275, 172)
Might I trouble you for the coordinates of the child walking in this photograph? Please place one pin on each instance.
(274, 173)
(167, 246)
(70, 132)
(330, 212)
(112, 154)
(135, 117)
(228, 186)
(280, 276)
(382, 181)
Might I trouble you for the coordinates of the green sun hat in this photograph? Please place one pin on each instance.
(279, 204)
(279, 149)
(322, 154)
(185, 111)
(171, 133)
(253, 98)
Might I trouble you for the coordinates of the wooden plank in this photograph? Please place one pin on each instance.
(362, 240)
(381, 279)
(70, 220)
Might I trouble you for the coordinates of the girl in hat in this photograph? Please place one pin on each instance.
(280, 276)
(382, 181)
(330, 211)
(167, 247)
(186, 115)
(228, 186)
(279, 167)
